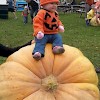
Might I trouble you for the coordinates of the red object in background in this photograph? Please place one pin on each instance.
(90, 2)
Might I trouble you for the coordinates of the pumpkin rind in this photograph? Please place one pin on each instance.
(21, 76)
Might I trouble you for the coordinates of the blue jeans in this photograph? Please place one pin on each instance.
(55, 39)
(25, 19)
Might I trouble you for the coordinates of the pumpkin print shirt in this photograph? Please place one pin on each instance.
(46, 22)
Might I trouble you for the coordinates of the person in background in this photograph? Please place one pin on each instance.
(25, 14)
(93, 16)
(33, 7)
(46, 27)
(7, 51)
(11, 7)
(88, 5)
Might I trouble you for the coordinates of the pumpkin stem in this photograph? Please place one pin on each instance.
(49, 83)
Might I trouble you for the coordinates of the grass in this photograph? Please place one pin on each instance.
(87, 39)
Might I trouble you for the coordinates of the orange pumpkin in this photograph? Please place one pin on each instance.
(68, 76)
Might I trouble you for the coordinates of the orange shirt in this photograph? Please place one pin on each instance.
(46, 22)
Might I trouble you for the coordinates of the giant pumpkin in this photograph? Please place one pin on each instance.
(68, 76)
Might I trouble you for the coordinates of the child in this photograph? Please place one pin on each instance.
(46, 27)
(93, 16)
(25, 15)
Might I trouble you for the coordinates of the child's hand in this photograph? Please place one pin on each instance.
(40, 35)
(61, 28)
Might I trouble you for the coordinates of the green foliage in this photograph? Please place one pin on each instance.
(86, 38)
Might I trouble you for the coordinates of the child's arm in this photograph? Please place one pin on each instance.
(38, 23)
(61, 26)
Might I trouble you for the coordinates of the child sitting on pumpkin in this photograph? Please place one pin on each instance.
(46, 27)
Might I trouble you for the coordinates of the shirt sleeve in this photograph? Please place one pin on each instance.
(60, 23)
(38, 22)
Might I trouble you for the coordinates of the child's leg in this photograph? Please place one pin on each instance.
(39, 49)
(24, 20)
(57, 44)
(27, 19)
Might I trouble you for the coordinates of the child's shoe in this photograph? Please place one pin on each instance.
(58, 50)
(87, 22)
(37, 55)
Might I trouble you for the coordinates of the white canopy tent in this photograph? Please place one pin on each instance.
(3, 2)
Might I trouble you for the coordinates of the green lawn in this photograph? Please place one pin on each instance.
(86, 38)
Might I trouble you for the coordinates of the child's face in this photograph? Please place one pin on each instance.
(52, 7)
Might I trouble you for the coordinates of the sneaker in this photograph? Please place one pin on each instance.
(87, 22)
(37, 55)
(58, 50)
